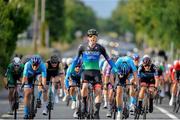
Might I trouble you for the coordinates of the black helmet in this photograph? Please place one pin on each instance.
(54, 59)
(92, 32)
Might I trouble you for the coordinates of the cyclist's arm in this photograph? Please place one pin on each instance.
(67, 78)
(43, 73)
(61, 70)
(134, 70)
(80, 50)
(109, 60)
(156, 77)
(25, 73)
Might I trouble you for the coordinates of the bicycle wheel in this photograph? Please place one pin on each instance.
(31, 107)
(136, 113)
(91, 110)
(144, 112)
(49, 107)
(16, 104)
(178, 103)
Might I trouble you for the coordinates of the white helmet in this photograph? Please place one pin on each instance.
(146, 56)
(64, 60)
(16, 61)
(69, 61)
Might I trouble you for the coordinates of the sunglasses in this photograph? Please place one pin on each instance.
(146, 65)
(91, 36)
(35, 65)
(16, 66)
(53, 62)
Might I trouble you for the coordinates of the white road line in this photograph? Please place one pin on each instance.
(166, 112)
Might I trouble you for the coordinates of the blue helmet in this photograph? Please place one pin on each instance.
(124, 68)
(135, 57)
(79, 63)
(36, 60)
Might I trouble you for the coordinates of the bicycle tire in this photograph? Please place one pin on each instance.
(31, 108)
(144, 113)
(178, 103)
(15, 105)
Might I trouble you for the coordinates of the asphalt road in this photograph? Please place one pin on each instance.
(61, 111)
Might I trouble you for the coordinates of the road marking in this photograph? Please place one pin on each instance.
(166, 112)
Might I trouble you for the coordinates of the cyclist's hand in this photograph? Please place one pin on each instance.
(22, 86)
(6, 86)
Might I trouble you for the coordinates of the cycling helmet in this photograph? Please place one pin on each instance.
(79, 63)
(54, 59)
(124, 68)
(156, 63)
(135, 57)
(36, 60)
(64, 60)
(16, 61)
(146, 60)
(92, 32)
(69, 61)
(176, 64)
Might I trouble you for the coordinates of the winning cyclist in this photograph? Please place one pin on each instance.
(90, 53)
(33, 68)
(13, 74)
(148, 76)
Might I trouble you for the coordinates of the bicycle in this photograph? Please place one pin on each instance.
(90, 114)
(176, 104)
(16, 101)
(125, 108)
(50, 101)
(145, 105)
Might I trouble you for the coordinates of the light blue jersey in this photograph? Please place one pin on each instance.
(29, 72)
(128, 60)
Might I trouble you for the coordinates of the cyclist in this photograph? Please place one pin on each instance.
(132, 93)
(160, 71)
(148, 76)
(125, 67)
(54, 67)
(73, 78)
(32, 69)
(175, 74)
(68, 63)
(90, 53)
(13, 74)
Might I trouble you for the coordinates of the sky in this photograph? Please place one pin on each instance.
(102, 8)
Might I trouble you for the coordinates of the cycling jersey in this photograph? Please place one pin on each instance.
(128, 60)
(12, 75)
(91, 56)
(147, 77)
(30, 73)
(74, 76)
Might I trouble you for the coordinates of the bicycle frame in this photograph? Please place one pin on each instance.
(90, 101)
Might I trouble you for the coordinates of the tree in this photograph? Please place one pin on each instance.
(55, 18)
(14, 19)
(154, 21)
(78, 16)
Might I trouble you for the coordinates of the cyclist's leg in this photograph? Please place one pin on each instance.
(62, 90)
(141, 94)
(39, 78)
(119, 101)
(173, 92)
(45, 98)
(132, 93)
(110, 95)
(152, 94)
(27, 92)
(73, 94)
(55, 79)
(105, 90)
(84, 90)
(11, 98)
